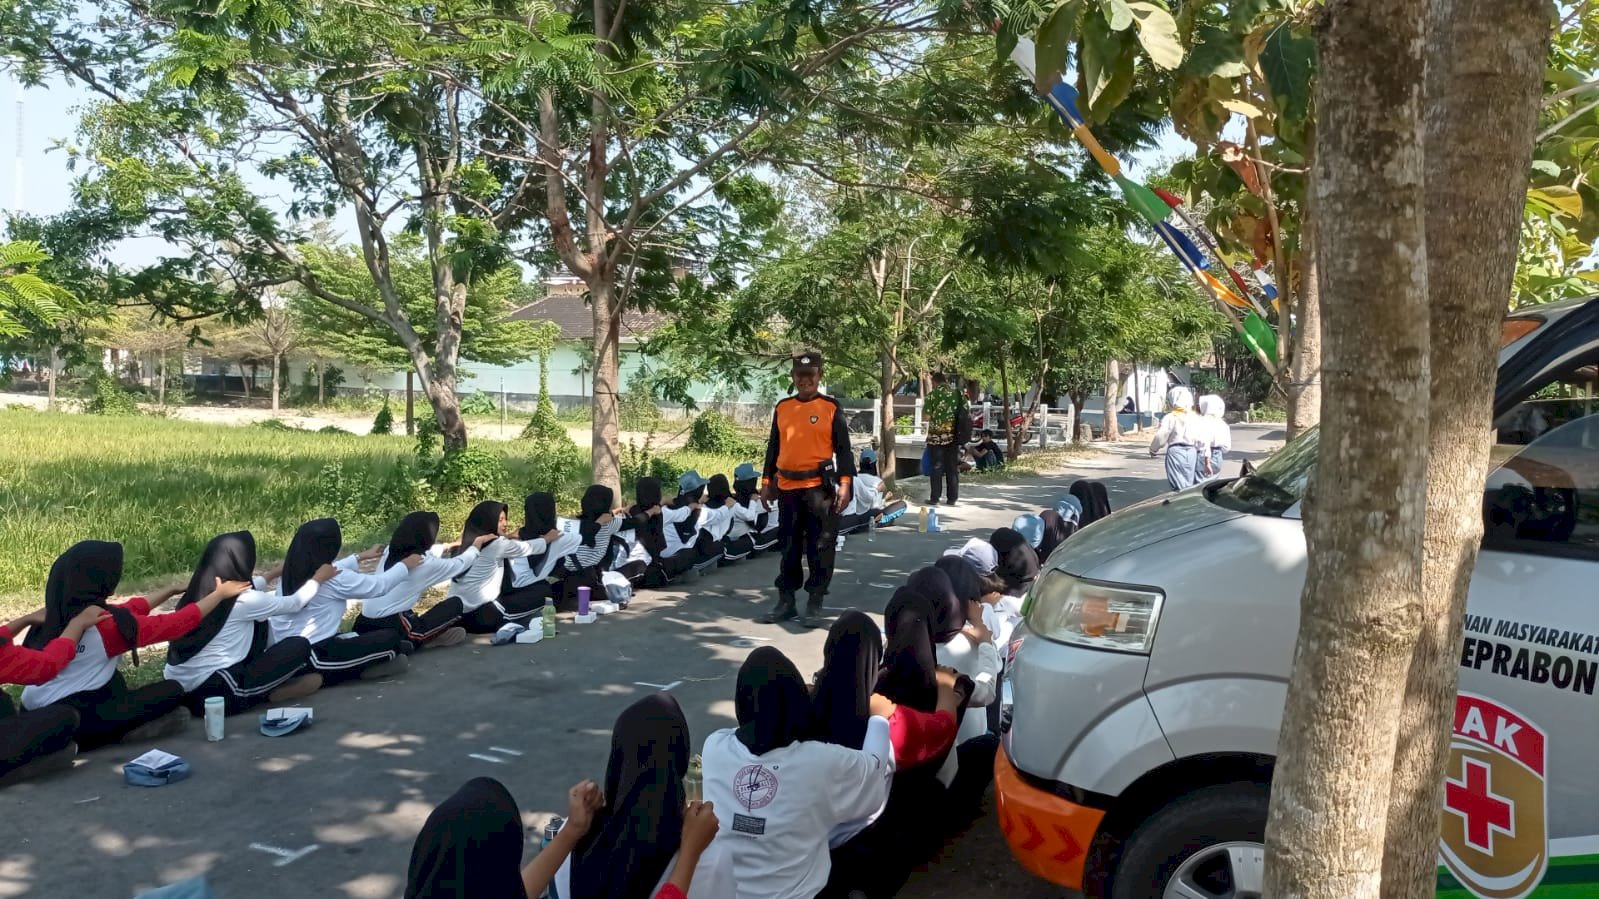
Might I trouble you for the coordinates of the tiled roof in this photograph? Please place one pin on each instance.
(571, 313)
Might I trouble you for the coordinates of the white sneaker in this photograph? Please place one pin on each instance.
(840, 543)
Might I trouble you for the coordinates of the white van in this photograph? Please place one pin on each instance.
(1149, 691)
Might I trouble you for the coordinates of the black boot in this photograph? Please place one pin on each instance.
(813, 611)
(783, 611)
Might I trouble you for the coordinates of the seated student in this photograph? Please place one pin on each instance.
(417, 534)
(228, 655)
(334, 655)
(687, 544)
(1093, 499)
(841, 702)
(1031, 527)
(1018, 561)
(1059, 524)
(476, 591)
(470, 847)
(777, 833)
(965, 644)
(638, 837)
(987, 454)
(535, 578)
(747, 534)
(644, 528)
(84, 577)
(700, 825)
(33, 744)
(717, 514)
(596, 528)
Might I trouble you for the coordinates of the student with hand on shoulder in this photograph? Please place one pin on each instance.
(749, 516)
(475, 592)
(596, 528)
(228, 655)
(33, 744)
(337, 656)
(84, 577)
(535, 578)
(417, 535)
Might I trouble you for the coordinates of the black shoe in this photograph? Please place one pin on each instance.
(405, 648)
(783, 611)
(812, 618)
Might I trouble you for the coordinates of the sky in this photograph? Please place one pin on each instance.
(50, 115)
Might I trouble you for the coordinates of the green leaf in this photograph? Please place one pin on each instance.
(1117, 13)
(1055, 36)
(1557, 198)
(1157, 31)
(1107, 63)
(1288, 61)
(1546, 168)
(1243, 108)
(1215, 52)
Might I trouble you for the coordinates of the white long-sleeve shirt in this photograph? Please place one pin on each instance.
(232, 643)
(716, 521)
(980, 662)
(866, 494)
(481, 582)
(1216, 433)
(321, 617)
(745, 515)
(435, 568)
(522, 573)
(669, 519)
(1178, 429)
(713, 876)
(584, 556)
(778, 809)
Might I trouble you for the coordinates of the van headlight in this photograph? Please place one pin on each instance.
(1079, 611)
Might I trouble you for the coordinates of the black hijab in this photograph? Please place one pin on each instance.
(1056, 530)
(771, 702)
(908, 659)
(538, 515)
(851, 658)
(83, 576)
(744, 491)
(717, 491)
(413, 536)
(483, 519)
(963, 577)
(230, 557)
(1018, 562)
(316, 543)
(1095, 500)
(634, 838)
(470, 847)
(597, 500)
(649, 527)
(687, 527)
(949, 610)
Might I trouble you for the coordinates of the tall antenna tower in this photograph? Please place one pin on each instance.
(16, 185)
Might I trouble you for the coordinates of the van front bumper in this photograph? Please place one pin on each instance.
(1047, 833)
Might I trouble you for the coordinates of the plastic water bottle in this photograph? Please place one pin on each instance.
(921, 521)
(932, 521)
(550, 830)
(871, 529)
(549, 617)
(694, 780)
(215, 715)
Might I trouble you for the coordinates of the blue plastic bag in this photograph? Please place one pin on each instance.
(927, 461)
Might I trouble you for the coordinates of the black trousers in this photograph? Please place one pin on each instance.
(946, 470)
(738, 548)
(878, 860)
(27, 736)
(343, 656)
(809, 529)
(248, 683)
(417, 628)
(519, 604)
(107, 714)
(591, 577)
(976, 759)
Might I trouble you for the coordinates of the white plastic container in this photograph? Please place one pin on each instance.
(215, 714)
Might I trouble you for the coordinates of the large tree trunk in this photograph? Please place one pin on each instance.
(1485, 64)
(1078, 400)
(161, 387)
(1304, 376)
(277, 367)
(55, 373)
(1113, 391)
(410, 403)
(886, 427)
(321, 383)
(607, 383)
(246, 375)
(1360, 611)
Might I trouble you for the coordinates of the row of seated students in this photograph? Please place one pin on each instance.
(839, 787)
(277, 635)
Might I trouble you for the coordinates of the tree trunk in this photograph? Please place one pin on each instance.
(1485, 64)
(1013, 437)
(246, 375)
(607, 469)
(276, 371)
(447, 409)
(321, 383)
(161, 387)
(1113, 390)
(1360, 611)
(886, 426)
(410, 403)
(55, 370)
(1304, 377)
(1078, 399)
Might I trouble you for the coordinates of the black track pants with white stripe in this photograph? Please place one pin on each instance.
(342, 657)
(249, 682)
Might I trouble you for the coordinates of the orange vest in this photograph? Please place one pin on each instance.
(804, 433)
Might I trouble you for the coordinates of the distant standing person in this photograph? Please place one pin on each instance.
(809, 468)
(948, 427)
(1181, 434)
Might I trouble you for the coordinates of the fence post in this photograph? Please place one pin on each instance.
(1043, 427)
(916, 423)
(877, 418)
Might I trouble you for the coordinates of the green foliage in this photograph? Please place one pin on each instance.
(479, 403)
(557, 467)
(107, 397)
(367, 501)
(473, 473)
(273, 424)
(384, 422)
(427, 437)
(331, 429)
(639, 411)
(25, 298)
(714, 432)
(544, 426)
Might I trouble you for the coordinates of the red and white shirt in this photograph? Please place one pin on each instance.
(102, 647)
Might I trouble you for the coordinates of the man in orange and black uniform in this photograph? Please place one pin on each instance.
(809, 466)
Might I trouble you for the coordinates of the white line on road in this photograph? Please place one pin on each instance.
(285, 856)
(486, 758)
(504, 750)
(639, 683)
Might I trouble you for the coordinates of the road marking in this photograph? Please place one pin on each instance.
(502, 749)
(746, 642)
(884, 586)
(486, 758)
(662, 687)
(285, 856)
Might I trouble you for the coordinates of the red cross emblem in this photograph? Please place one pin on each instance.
(1494, 837)
(1484, 811)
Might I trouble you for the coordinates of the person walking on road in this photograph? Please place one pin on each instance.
(1181, 434)
(809, 468)
(948, 427)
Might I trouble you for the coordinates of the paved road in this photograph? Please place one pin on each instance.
(358, 784)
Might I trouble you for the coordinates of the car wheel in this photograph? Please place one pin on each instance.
(1209, 844)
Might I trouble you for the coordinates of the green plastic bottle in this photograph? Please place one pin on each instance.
(549, 616)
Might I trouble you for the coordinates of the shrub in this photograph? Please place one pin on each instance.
(332, 429)
(471, 473)
(544, 426)
(558, 467)
(904, 424)
(367, 499)
(637, 408)
(106, 398)
(427, 436)
(714, 432)
(384, 422)
(272, 424)
(635, 462)
(479, 403)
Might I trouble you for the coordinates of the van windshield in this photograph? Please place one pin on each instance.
(1277, 484)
